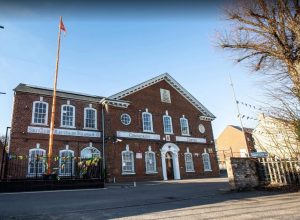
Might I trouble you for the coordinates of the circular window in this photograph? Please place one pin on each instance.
(201, 128)
(125, 119)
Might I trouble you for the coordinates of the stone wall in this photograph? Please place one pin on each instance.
(242, 173)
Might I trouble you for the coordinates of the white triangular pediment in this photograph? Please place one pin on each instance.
(207, 114)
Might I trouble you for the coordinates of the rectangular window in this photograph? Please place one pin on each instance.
(150, 162)
(189, 164)
(90, 118)
(184, 126)
(40, 113)
(68, 116)
(66, 165)
(127, 162)
(36, 163)
(168, 128)
(206, 162)
(147, 122)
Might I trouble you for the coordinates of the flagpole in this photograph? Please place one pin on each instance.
(49, 170)
(237, 106)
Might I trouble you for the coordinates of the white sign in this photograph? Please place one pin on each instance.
(165, 96)
(139, 156)
(65, 132)
(190, 139)
(126, 134)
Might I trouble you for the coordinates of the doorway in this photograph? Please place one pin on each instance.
(169, 166)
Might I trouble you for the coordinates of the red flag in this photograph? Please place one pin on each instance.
(62, 26)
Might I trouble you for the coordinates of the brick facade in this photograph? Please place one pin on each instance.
(135, 103)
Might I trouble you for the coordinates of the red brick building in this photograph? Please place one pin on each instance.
(155, 130)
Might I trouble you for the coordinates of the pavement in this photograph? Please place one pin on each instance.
(183, 199)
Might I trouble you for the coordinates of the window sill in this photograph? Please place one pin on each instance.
(67, 126)
(152, 172)
(128, 173)
(188, 135)
(39, 124)
(94, 129)
(207, 170)
(148, 131)
(192, 171)
(168, 133)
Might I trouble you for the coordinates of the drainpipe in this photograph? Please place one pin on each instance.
(102, 102)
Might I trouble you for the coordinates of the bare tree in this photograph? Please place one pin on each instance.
(267, 34)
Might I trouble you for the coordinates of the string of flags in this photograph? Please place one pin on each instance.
(249, 105)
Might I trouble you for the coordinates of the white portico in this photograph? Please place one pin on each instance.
(170, 151)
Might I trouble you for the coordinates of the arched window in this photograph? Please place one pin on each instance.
(184, 124)
(189, 163)
(147, 121)
(90, 152)
(206, 162)
(68, 116)
(127, 161)
(40, 112)
(66, 162)
(150, 161)
(36, 161)
(167, 120)
(90, 118)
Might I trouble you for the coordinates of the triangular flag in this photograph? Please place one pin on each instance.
(62, 26)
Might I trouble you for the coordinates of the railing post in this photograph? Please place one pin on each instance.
(72, 159)
(36, 165)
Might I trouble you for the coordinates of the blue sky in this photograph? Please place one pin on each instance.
(104, 54)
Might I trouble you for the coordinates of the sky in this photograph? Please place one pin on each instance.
(111, 47)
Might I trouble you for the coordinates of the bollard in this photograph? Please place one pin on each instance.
(134, 184)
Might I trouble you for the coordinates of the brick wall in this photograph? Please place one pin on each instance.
(242, 173)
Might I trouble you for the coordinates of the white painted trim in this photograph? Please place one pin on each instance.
(187, 124)
(93, 109)
(60, 153)
(61, 117)
(167, 116)
(174, 149)
(132, 158)
(44, 166)
(151, 120)
(33, 110)
(173, 83)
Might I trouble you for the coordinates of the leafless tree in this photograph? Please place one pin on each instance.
(266, 33)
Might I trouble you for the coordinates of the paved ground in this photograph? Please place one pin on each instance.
(184, 199)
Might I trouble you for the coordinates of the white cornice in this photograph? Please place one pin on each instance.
(174, 84)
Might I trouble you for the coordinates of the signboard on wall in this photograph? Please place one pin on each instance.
(65, 132)
(190, 139)
(135, 135)
(139, 156)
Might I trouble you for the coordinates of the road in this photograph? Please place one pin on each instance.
(184, 199)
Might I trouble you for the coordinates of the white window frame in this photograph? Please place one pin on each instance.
(187, 155)
(125, 115)
(42, 163)
(187, 126)
(147, 160)
(61, 172)
(95, 154)
(61, 118)
(206, 159)
(151, 121)
(85, 117)
(129, 154)
(33, 113)
(171, 125)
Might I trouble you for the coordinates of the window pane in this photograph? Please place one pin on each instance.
(90, 118)
(68, 116)
(40, 112)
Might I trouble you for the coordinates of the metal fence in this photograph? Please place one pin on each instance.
(282, 172)
(23, 167)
